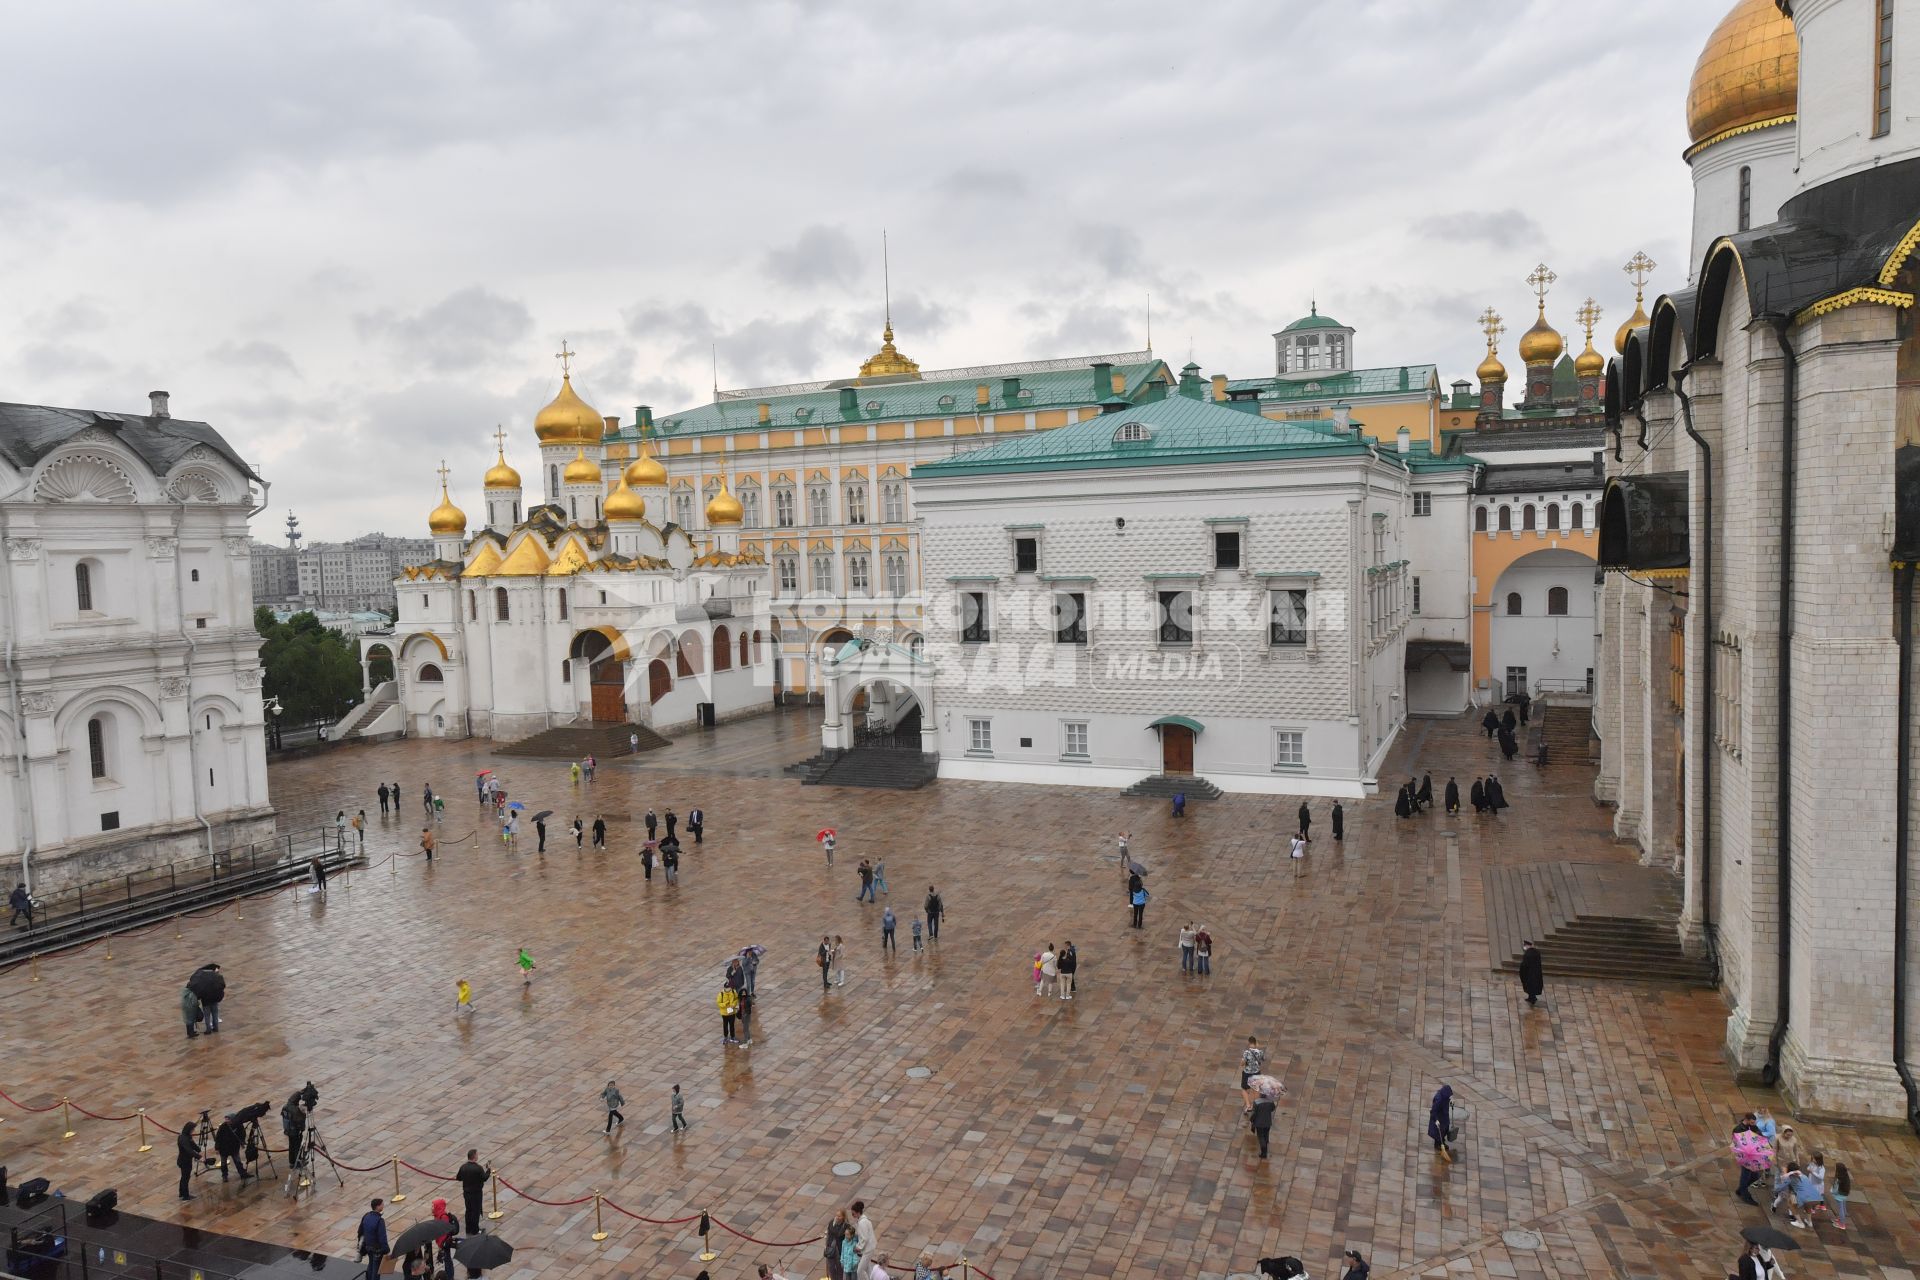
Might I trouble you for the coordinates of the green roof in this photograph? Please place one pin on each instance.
(1181, 431)
(1314, 320)
(1354, 384)
(1044, 385)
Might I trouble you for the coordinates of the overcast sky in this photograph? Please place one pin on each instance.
(351, 235)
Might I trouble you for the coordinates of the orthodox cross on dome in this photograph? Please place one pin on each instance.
(1540, 279)
(1490, 325)
(500, 438)
(565, 357)
(1639, 267)
(444, 473)
(1588, 315)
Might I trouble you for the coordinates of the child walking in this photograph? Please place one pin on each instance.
(916, 935)
(679, 1111)
(526, 968)
(462, 997)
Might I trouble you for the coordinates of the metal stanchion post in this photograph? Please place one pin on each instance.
(176, 926)
(706, 1240)
(599, 1231)
(966, 1268)
(66, 1121)
(144, 1144)
(36, 968)
(496, 1215)
(397, 1197)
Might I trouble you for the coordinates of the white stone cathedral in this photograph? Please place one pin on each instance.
(1761, 524)
(578, 608)
(131, 732)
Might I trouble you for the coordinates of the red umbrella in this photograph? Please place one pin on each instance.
(824, 833)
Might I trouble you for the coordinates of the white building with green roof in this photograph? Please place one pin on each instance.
(1175, 587)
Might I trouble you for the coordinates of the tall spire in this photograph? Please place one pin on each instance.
(1638, 268)
(886, 282)
(887, 364)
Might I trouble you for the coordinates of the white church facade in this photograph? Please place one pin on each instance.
(131, 733)
(574, 608)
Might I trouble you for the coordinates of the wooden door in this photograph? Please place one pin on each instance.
(608, 705)
(1176, 749)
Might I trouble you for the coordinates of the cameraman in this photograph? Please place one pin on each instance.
(293, 1124)
(230, 1140)
(188, 1153)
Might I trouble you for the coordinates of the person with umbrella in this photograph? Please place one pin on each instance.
(828, 839)
(209, 986)
(482, 1253)
(1756, 1261)
(540, 828)
(1267, 1091)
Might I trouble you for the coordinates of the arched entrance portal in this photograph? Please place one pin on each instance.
(379, 663)
(885, 714)
(593, 653)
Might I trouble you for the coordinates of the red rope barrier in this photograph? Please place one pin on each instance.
(769, 1244)
(97, 1116)
(437, 1177)
(354, 1168)
(658, 1222)
(551, 1204)
(23, 1106)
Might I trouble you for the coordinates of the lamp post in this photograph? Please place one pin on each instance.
(273, 709)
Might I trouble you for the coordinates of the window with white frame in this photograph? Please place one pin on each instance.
(893, 502)
(683, 508)
(1026, 554)
(750, 507)
(1226, 548)
(857, 503)
(783, 507)
(823, 573)
(819, 504)
(1073, 738)
(858, 578)
(1423, 504)
(895, 566)
(980, 735)
(1289, 749)
(1416, 595)
(788, 568)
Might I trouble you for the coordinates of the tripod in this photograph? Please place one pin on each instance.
(203, 1137)
(256, 1146)
(300, 1158)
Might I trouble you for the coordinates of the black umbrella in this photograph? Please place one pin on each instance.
(1138, 868)
(424, 1233)
(208, 985)
(543, 815)
(1768, 1237)
(483, 1252)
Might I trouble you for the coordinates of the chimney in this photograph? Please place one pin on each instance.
(1010, 389)
(613, 425)
(643, 416)
(764, 413)
(1119, 384)
(1219, 387)
(849, 402)
(1342, 417)
(1102, 380)
(1156, 390)
(1403, 440)
(982, 394)
(158, 399)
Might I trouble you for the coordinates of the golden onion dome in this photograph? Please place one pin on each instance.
(447, 518)
(1638, 320)
(724, 508)
(1541, 344)
(569, 419)
(1748, 73)
(1589, 363)
(887, 362)
(645, 471)
(502, 476)
(582, 470)
(623, 504)
(1491, 370)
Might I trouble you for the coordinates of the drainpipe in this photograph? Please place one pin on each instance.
(19, 721)
(1903, 774)
(193, 650)
(1707, 622)
(1783, 703)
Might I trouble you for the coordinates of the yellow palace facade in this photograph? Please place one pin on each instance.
(820, 471)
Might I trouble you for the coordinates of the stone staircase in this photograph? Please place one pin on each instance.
(601, 739)
(1162, 786)
(1591, 920)
(384, 695)
(1567, 729)
(878, 767)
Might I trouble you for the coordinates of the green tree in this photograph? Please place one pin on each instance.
(314, 672)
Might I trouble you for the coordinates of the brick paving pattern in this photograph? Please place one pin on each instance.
(1100, 1137)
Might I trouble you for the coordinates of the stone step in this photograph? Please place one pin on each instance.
(1164, 786)
(875, 767)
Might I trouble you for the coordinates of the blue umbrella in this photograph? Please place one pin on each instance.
(516, 805)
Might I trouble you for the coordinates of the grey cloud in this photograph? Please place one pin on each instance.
(656, 319)
(259, 356)
(819, 256)
(61, 359)
(461, 331)
(1117, 251)
(1082, 327)
(770, 348)
(76, 315)
(971, 181)
(1501, 228)
(916, 318)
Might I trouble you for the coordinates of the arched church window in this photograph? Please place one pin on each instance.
(1526, 517)
(1557, 602)
(1506, 519)
(500, 604)
(83, 590)
(1479, 519)
(1513, 604)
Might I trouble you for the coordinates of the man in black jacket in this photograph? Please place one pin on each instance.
(1533, 978)
(473, 1177)
(188, 1154)
(230, 1141)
